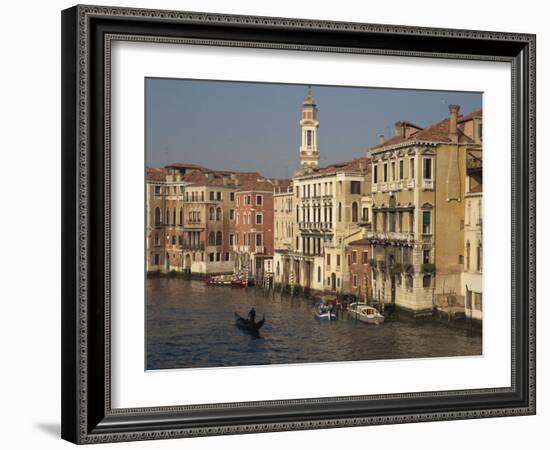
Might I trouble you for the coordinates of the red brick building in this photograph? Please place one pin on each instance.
(192, 219)
(359, 269)
(254, 229)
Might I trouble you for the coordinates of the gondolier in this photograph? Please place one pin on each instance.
(252, 315)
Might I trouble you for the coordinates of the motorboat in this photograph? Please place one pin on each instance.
(365, 313)
(324, 312)
(226, 280)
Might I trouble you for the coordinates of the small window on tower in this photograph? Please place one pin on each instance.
(309, 136)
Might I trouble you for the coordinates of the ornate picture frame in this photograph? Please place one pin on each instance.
(87, 35)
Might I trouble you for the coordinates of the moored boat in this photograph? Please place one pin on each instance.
(365, 313)
(226, 280)
(324, 312)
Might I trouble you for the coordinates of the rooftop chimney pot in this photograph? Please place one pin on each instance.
(453, 119)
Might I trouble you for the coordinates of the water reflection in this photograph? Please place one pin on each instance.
(190, 324)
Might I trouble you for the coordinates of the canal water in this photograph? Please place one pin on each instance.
(190, 324)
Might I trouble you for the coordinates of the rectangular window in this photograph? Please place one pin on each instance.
(259, 200)
(427, 168)
(354, 257)
(355, 187)
(211, 257)
(411, 168)
(156, 259)
(218, 195)
(401, 170)
(212, 195)
(355, 281)
(259, 219)
(231, 239)
(365, 257)
(365, 214)
(385, 172)
(426, 222)
(478, 301)
(248, 199)
(375, 174)
(328, 259)
(158, 191)
(231, 214)
(258, 239)
(393, 177)
(338, 260)
(232, 196)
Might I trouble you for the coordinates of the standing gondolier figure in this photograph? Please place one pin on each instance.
(252, 315)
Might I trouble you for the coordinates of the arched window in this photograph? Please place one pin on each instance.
(427, 281)
(211, 238)
(468, 255)
(219, 238)
(219, 214)
(181, 216)
(158, 218)
(167, 217)
(354, 212)
(174, 217)
(211, 213)
(409, 281)
(318, 274)
(339, 212)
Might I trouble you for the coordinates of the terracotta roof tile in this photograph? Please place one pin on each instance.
(437, 132)
(259, 185)
(363, 241)
(155, 174)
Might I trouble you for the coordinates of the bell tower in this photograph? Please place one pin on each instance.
(309, 152)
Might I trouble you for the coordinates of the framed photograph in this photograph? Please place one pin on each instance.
(279, 224)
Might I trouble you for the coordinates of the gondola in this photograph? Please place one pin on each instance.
(247, 325)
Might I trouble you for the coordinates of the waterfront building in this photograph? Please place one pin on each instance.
(252, 241)
(473, 237)
(191, 219)
(283, 215)
(360, 273)
(418, 197)
(327, 208)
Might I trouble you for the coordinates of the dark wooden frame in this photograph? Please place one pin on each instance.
(87, 31)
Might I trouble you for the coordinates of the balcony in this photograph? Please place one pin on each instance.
(315, 225)
(427, 184)
(410, 184)
(384, 187)
(392, 236)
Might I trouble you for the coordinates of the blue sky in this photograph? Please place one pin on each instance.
(255, 126)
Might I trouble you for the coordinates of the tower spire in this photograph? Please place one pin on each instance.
(309, 151)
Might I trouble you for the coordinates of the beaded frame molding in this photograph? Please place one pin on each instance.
(87, 35)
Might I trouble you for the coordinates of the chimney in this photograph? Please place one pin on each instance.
(453, 120)
(381, 139)
(398, 126)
